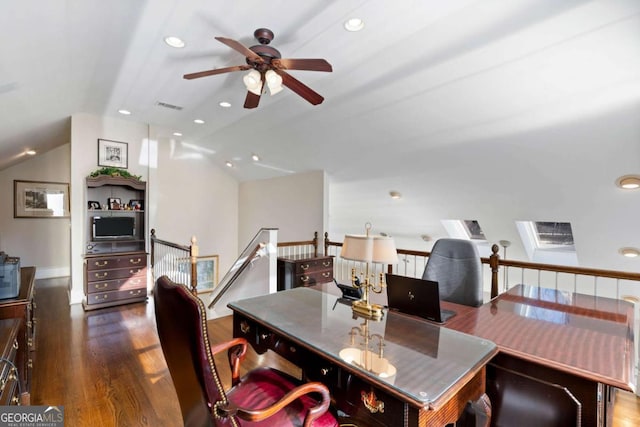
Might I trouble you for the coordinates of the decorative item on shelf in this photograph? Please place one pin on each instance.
(113, 171)
(92, 204)
(368, 249)
(114, 203)
(136, 205)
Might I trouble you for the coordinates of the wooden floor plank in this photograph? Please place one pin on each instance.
(106, 366)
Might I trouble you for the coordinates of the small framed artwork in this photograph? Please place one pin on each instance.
(93, 204)
(114, 203)
(113, 153)
(207, 272)
(136, 205)
(207, 268)
(36, 199)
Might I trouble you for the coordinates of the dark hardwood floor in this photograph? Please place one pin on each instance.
(106, 366)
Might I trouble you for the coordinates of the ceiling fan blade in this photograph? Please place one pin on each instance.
(302, 64)
(300, 88)
(216, 71)
(239, 47)
(252, 100)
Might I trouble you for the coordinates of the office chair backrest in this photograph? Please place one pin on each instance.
(455, 265)
(182, 328)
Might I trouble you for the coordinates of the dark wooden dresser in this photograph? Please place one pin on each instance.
(304, 270)
(9, 372)
(116, 279)
(22, 308)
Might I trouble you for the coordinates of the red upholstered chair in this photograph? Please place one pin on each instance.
(263, 397)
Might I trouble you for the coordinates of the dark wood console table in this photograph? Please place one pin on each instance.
(395, 371)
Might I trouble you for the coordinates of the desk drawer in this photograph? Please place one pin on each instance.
(118, 273)
(134, 282)
(371, 405)
(111, 262)
(110, 296)
(313, 278)
(313, 265)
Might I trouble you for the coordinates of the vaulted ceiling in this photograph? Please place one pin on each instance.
(489, 110)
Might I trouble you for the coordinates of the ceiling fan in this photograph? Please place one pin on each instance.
(267, 66)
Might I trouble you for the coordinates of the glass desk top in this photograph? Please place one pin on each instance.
(417, 359)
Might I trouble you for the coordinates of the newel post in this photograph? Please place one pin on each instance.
(494, 263)
(193, 256)
(315, 243)
(326, 243)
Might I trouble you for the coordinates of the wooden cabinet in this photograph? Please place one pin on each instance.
(116, 279)
(304, 270)
(21, 308)
(115, 268)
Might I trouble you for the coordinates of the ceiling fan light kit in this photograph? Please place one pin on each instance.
(267, 66)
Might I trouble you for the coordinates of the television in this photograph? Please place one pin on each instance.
(113, 227)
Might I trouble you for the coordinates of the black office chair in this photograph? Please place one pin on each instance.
(455, 265)
(263, 397)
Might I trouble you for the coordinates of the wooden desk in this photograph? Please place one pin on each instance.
(553, 346)
(396, 371)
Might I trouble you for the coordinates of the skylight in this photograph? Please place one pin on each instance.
(473, 229)
(550, 234)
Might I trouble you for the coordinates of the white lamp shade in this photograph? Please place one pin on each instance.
(274, 81)
(357, 248)
(384, 250)
(369, 249)
(253, 81)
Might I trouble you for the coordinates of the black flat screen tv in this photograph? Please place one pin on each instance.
(113, 227)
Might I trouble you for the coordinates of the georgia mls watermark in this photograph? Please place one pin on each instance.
(31, 416)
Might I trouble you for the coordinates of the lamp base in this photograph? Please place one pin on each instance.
(364, 308)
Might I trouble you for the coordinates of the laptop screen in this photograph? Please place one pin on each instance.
(417, 297)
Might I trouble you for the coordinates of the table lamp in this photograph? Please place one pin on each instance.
(368, 249)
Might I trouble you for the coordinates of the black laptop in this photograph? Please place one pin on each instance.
(416, 297)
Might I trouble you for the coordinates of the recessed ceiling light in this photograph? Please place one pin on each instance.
(125, 112)
(177, 134)
(225, 104)
(628, 182)
(30, 152)
(395, 195)
(255, 157)
(198, 121)
(354, 24)
(174, 41)
(630, 252)
(229, 164)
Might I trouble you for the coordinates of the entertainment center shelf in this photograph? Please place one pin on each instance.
(115, 264)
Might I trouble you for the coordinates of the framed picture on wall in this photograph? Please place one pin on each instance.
(113, 153)
(207, 272)
(37, 199)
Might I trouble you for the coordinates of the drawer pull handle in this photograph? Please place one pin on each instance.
(134, 271)
(304, 278)
(15, 400)
(244, 327)
(101, 263)
(292, 349)
(324, 371)
(326, 274)
(101, 275)
(99, 286)
(103, 296)
(304, 266)
(15, 344)
(326, 263)
(137, 292)
(135, 261)
(263, 337)
(371, 402)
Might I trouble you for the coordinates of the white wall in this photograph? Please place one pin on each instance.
(40, 242)
(191, 196)
(297, 205)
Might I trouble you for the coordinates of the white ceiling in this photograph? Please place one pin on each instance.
(490, 110)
